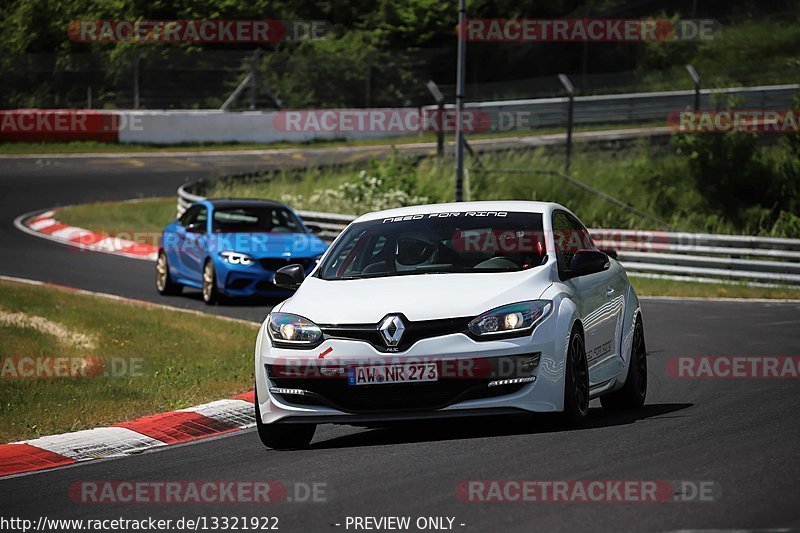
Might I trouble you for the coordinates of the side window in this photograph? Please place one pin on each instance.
(561, 234)
(189, 216)
(196, 214)
(345, 259)
(582, 235)
(361, 252)
(202, 215)
(283, 219)
(570, 236)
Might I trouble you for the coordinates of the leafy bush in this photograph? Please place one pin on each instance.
(386, 184)
(747, 178)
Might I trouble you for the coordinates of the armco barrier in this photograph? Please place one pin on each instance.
(631, 107)
(700, 257)
(215, 126)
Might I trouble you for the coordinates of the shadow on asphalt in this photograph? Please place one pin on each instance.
(253, 301)
(480, 427)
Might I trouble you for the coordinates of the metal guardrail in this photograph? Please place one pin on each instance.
(703, 257)
(630, 107)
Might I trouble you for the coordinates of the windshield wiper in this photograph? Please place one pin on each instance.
(399, 273)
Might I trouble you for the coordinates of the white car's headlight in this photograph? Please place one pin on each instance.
(510, 319)
(293, 329)
(236, 258)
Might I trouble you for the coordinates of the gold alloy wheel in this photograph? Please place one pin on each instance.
(161, 272)
(208, 282)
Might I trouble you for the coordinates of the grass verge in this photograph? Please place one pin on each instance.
(171, 360)
(689, 289)
(123, 219)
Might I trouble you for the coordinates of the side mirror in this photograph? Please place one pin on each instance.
(196, 227)
(289, 277)
(313, 228)
(610, 252)
(586, 262)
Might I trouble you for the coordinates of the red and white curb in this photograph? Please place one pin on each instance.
(47, 226)
(125, 438)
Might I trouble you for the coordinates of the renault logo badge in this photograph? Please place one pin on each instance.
(392, 329)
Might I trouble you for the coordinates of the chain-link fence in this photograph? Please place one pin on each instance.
(176, 78)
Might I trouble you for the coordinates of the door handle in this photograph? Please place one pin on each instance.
(610, 292)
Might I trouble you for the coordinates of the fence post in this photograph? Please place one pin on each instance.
(570, 105)
(368, 81)
(254, 77)
(460, 71)
(696, 79)
(136, 62)
(89, 97)
(439, 97)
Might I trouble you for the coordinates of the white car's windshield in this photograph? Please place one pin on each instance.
(433, 243)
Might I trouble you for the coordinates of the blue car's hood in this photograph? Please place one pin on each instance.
(260, 245)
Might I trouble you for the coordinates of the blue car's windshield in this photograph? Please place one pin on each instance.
(437, 243)
(255, 219)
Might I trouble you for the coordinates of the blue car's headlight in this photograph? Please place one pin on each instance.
(293, 329)
(518, 318)
(236, 258)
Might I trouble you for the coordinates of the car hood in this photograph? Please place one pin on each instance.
(260, 245)
(418, 297)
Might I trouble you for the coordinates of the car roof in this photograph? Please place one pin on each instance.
(242, 202)
(454, 207)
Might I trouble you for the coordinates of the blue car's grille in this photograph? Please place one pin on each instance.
(274, 263)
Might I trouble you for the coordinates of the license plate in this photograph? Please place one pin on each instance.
(383, 374)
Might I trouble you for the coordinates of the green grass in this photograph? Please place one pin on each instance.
(124, 219)
(645, 178)
(654, 179)
(186, 359)
(663, 287)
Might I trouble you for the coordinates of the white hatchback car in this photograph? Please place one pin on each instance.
(447, 310)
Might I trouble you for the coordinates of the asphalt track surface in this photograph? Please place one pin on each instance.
(742, 435)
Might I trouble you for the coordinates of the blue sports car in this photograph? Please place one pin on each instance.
(230, 247)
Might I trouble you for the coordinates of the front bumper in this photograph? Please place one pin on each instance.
(296, 386)
(250, 280)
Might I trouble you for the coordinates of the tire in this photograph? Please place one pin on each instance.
(634, 392)
(284, 436)
(210, 291)
(164, 284)
(576, 381)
